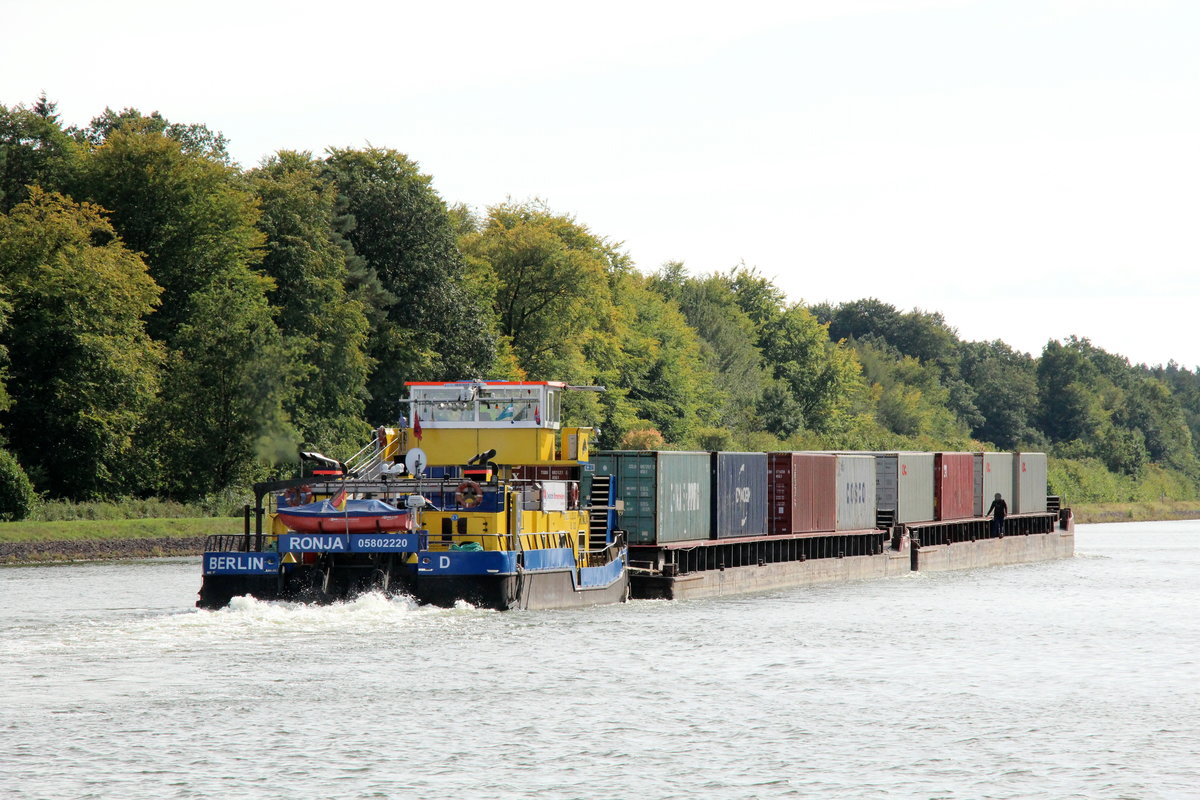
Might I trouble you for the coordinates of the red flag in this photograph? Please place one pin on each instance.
(416, 425)
(537, 414)
(339, 500)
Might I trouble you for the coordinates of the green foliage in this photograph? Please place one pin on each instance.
(225, 504)
(551, 281)
(229, 370)
(83, 369)
(714, 439)
(433, 328)
(194, 139)
(324, 329)
(728, 341)
(568, 307)
(916, 334)
(112, 529)
(1155, 413)
(823, 379)
(192, 218)
(1095, 404)
(34, 151)
(222, 412)
(910, 400)
(1005, 385)
(779, 412)
(1088, 480)
(922, 335)
(17, 498)
(661, 369)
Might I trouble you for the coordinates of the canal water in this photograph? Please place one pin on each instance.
(1071, 679)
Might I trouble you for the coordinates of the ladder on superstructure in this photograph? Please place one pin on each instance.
(600, 511)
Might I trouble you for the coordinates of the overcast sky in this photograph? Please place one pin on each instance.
(1029, 169)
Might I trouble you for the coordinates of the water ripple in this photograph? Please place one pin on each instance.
(1071, 679)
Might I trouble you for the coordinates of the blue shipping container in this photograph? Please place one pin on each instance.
(739, 494)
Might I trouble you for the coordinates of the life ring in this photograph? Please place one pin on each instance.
(291, 497)
(304, 494)
(468, 494)
(574, 492)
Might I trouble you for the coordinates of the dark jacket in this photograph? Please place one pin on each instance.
(1000, 507)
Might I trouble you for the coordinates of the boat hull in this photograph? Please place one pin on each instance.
(530, 591)
(476, 578)
(766, 575)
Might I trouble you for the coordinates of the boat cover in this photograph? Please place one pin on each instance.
(354, 508)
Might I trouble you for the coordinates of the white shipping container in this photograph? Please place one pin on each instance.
(855, 492)
(993, 473)
(1029, 483)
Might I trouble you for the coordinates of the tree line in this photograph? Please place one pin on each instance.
(174, 325)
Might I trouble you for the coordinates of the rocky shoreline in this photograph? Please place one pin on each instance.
(99, 549)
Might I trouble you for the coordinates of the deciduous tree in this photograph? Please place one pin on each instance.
(402, 229)
(83, 369)
(34, 151)
(323, 327)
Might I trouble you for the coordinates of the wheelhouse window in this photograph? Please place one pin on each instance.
(534, 405)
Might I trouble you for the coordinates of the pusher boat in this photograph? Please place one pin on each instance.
(474, 497)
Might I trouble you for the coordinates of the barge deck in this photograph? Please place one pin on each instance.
(686, 570)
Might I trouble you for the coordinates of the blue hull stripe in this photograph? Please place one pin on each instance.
(503, 563)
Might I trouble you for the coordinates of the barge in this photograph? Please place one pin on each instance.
(844, 516)
(481, 495)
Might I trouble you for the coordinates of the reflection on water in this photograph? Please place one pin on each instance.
(1066, 679)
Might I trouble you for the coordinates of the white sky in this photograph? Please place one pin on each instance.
(1030, 168)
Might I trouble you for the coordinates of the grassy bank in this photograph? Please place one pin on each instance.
(98, 530)
(1136, 512)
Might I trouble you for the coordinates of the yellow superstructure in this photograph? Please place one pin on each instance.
(500, 441)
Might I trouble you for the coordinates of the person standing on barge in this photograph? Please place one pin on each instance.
(999, 510)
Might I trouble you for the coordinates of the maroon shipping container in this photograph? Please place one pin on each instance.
(954, 485)
(545, 473)
(801, 492)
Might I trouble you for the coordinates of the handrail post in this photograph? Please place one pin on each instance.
(258, 515)
(246, 525)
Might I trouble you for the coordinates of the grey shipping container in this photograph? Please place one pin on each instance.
(904, 484)
(855, 492)
(667, 495)
(993, 473)
(739, 494)
(1029, 483)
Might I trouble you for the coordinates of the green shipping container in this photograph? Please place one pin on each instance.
(667, 495)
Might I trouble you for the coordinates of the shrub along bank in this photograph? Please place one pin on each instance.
(1086, 481)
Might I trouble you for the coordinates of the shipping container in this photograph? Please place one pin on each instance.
(904, 484)
(739, 494)
(855, 492)
(545, 473)
(954, 485)
(993, 474)
(667, 496)
(1029, 483)
(802, 488)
